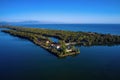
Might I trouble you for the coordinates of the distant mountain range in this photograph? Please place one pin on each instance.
(21, 23)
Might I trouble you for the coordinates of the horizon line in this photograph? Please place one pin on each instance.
(48, 22)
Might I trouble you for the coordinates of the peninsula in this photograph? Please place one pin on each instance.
(67, 39)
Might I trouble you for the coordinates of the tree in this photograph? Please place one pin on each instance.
(63, 46)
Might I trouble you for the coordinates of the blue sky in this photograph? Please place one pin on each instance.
(61, 11)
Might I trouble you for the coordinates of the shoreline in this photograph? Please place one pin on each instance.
(56, 53)
(68, 39)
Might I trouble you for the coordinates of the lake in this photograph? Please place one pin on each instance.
(20, 59)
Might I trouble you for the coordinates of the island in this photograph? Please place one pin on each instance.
(67, 39)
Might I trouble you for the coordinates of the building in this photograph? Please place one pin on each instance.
(47, 42)
(57, 46)
(68, 50)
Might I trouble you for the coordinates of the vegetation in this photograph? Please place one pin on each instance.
(40, 36)
(40, 40)
(81, 38)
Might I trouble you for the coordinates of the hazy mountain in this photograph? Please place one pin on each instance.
(22, 22)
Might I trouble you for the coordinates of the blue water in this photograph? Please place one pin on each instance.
(99, 28)
(20, 59)
(54, 39)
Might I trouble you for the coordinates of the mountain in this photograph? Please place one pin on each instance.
(21, 23)
(29, 22)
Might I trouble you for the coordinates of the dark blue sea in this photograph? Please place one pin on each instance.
(99, 28)
(20, 59)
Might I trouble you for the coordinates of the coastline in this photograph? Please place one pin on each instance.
(49, 49)
(68, 39)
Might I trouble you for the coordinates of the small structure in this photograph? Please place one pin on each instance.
(57, 46)
(47, 42)
(54, 45)
(68, 50)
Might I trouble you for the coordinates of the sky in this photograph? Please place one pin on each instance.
(61, 11)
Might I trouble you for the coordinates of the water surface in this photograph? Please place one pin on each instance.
(99, 28)
(20, 59)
